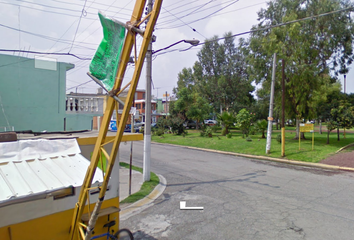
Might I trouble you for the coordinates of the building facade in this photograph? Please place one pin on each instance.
(33, 96)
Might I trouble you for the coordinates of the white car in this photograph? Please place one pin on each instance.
(210, 121)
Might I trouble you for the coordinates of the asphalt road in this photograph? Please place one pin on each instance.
(242, 198)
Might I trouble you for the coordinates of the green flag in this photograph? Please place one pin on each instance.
(104, 64)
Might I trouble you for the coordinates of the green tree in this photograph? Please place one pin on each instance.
(312, 49)
(343, 116)
(331, 125)
(189, 103)
(221, 76)
(243, 121)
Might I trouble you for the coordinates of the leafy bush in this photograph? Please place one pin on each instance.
(202, 133)
(243, 120)
(209, 132)
(223, 131)
(248, 139)
(279, 138)
(214, 128)
(252, 130)
(176, 125)
(158, 132)
(229, 135)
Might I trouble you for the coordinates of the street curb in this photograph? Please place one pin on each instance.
(144, 203)
(345, 147)
(292, 162)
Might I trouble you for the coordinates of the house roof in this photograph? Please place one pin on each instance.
(32, 167)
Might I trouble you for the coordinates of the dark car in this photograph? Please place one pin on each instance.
(190, 124)
(128, 128)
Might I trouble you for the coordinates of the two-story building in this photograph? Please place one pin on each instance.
(33, 97)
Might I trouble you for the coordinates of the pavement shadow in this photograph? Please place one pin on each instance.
(140, 235)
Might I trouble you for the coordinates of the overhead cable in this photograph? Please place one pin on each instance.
(44, 53)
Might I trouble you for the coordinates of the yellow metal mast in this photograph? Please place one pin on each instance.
(78, 230)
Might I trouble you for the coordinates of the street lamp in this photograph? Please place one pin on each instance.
(147, 127)
(193, 42)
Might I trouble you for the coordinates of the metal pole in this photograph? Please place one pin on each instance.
(270, 118)
(283, 109)
(344, 93)
(147, 128)
(166, 105)
(131, 154)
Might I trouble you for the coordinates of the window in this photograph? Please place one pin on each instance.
(143, 95)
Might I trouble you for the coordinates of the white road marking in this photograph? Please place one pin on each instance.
(182, 206)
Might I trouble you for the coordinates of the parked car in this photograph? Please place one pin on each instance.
(210, 122)
(128, 128)
(190, 124)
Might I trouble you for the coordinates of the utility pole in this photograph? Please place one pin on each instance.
(270, 117)
(147, 127)
(166, 103)
(283, 109)
(345, 81)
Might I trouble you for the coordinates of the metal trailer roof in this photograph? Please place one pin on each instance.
(32, 167)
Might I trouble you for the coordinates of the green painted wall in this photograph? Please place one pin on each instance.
(159, 105)
(32, 98)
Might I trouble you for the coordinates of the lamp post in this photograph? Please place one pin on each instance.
(147, 127)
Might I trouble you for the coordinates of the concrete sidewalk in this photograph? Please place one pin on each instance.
(137, 181)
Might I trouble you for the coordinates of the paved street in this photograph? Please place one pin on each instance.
(242, 198)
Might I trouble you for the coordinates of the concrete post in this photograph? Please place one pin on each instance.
(270, 118)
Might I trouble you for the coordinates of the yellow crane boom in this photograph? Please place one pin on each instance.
(78, 229)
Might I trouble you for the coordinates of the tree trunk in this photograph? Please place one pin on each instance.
(338, 138)
(328, 136)
(297, 122)
(320, 121)
(302, 135)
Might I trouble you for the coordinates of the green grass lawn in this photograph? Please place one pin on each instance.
(257, 146)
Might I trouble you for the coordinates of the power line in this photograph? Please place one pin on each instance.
(100, 27)
(46, 37)
(45, 53)
(207, 16)
(46, 11)
(269, 27)
(185, 23)
(194, 8)
(78, 85)
(83, 13)
(195, 12)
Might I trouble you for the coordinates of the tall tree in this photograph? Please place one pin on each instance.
(221, 76)
(312, 49)
(189, 103)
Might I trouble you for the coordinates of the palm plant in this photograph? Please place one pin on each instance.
(226, 119)
(262, 126)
